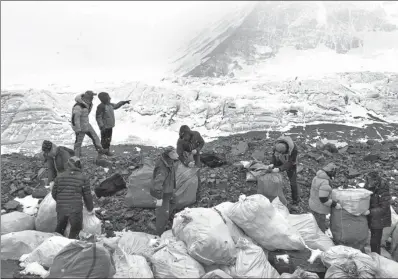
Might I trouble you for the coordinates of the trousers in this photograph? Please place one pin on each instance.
(375, 240)
(76, 222)
(106, 138)
(163, 213)
(292, 174)
(320, 220)
(80, 137)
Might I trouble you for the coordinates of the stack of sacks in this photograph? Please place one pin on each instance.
(206, 235)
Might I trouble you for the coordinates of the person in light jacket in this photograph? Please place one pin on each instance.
(105, 117)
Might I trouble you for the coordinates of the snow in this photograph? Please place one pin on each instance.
(35, 269)
(30, 204)
(284, 258)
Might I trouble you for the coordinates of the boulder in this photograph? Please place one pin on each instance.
(352, 173)
(239, 149)
(39, 193)
(371, 157)
(12, 205)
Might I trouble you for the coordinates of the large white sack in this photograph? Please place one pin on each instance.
(388, 268)
(236, 233)
(280, 207)
(217, 273)
(251, 262)
(173, 261)
(131, 266)
(387, 232)
(256, 216)
(45, 253)
(91, 224)
(46, 219)
(16, 221)
(339, 254)
(138, 243)
(16, 244)
(308, 228)
(355, 201)
(206, 235)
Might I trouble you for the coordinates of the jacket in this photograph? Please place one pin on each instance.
(80, 113)
(380, 212)
(196, 142)
(164, 178)
(291, 158)
(105, 114)
(320, 187)
(57, 164)
(69, 189)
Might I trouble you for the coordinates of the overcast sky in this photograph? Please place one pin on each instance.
(45, 40)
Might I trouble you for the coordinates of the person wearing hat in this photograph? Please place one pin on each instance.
(320, 201)
(105, 116)
(70, 189)
(379, 213)
(81, 124)
(189, 142)
(284, 158)
(56, 158)
(163, 186)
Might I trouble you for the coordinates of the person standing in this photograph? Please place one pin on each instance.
(284, 158)
(379, 214)
(81, 124)
(105, 116)
(189, 142)
(320, 201)
(69, 190)
(163, 186)
(56, 158)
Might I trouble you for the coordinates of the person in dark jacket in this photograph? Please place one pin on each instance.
(284, 158)
(189, 142)
(163, 186)
(69, 189)
(56, 158)
(105, 116)
(81, 124)
(379, 215)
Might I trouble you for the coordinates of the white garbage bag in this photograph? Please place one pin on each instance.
(139, 243)
(387, 268)
(280, 207)
(236, 233)
(173, 261)
(16, 221)
(256, 216)
(355, 201)
(387, 232)
(45, 253)
(131, 266)
(46, 220)
(206, 234)
(340, 254)
(217, 273)
(251, 262)
(308, 228)
(91, 224)
(16, 244)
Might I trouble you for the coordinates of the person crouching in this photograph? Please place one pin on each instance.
(68, 190)
(163, 186)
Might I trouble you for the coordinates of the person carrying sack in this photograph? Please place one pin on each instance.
(191, 142)
(163, 187)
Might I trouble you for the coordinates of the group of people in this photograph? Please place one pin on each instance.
(70, 186)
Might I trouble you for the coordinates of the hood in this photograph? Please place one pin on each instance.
(79, 100)
(103, 96)
(288, 140)
(322, 174)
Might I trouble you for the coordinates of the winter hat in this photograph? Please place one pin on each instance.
(281, 147)
(74, 162)
(46, 146)
(330, 167)
(103, 96)
(89, 95)
(184, 129)
(168, 149)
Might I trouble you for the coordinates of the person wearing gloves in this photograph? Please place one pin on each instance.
(320, 201)
(379, 213)
(163, 186)
(70, 188)
(81, 124)
(105, 116)
(189, 142)
(284, 158)
(56, 158)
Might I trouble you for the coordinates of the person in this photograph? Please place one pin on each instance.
(189, 142)
(163, 186)
(105, 116)
(379, 213)
(68, 190)
(56, 158)
(81, 124)
(320, 201)
(284, 158)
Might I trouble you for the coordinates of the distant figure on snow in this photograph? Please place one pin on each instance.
(56, 158)
(189, 142)
(81, 124)
(69, 190)
(105, 116)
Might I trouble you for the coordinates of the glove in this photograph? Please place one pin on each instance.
(276, 170)
(194, 152)
(51, 184)
(191, 164)
(127, 102)
(366, 213)
(159, 203)
(338, 206)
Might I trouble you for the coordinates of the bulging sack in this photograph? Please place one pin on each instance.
(131, 266)
(82, 260)
(206, 235)
(46, 220)
(236, 233)
(348, 229)
(91, 224)
(14, 245)
(386, 268)
(110, 186)
(301, 274)
(271, 186)
(251, 262)
(350, 268)
(16, 221)
(339, 254)
(387, 232)
(138, 243)
(187, 183)
(355, 201)
(256, 216)
(173, 261)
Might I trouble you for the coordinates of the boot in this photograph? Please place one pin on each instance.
(108, 153)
